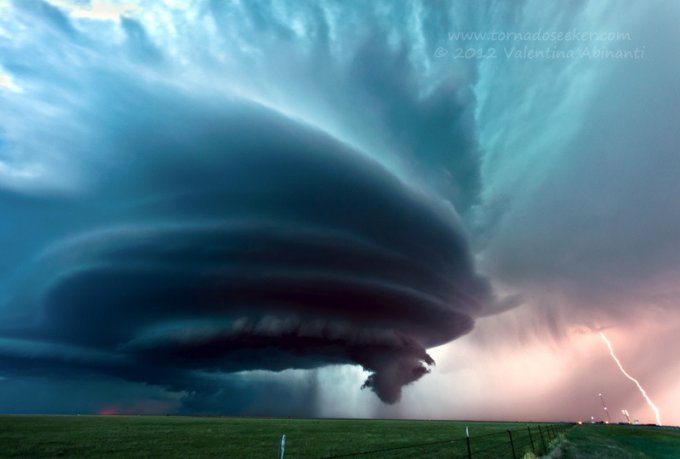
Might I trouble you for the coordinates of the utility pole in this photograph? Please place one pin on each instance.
(604, 406)
(625, 413)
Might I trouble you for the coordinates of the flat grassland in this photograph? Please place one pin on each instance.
(181, 437)
(621, 442)
(186, 437)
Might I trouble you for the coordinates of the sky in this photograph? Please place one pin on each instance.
(341, 209)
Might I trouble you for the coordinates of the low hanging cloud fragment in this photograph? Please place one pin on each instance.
(251, 242)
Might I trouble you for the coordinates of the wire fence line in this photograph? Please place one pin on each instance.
(515, 443)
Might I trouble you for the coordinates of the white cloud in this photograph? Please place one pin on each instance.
(100, 10)
(6, 82)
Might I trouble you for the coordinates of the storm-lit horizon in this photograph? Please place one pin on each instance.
(390, 209)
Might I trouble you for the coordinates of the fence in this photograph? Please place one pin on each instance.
(515, 443)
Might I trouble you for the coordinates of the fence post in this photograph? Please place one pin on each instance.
(540, 431)
(512, 445)
(467, 442)
(282, 448)
(531, 439)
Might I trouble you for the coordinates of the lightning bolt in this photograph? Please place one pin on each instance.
(637, 383)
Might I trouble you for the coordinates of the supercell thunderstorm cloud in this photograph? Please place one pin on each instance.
(277, 248)
(232, 207)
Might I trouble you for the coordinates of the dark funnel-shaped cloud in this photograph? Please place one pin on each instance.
(247, 242)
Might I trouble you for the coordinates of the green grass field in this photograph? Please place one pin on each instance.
(169, 437)
(621, 442)
(175, 437)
